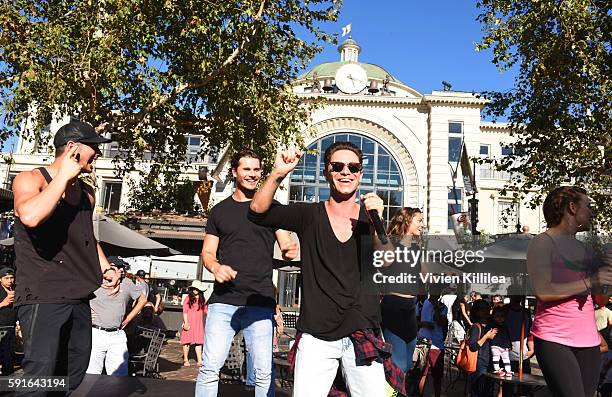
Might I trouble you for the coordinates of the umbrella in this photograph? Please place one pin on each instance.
(439, 244)
(507, 256)
(119, 240)
(438, 268)
(514, 248)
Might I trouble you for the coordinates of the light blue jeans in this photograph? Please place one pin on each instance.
(250, 379)
(222, 323)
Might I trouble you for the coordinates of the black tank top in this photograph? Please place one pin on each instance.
(57, 261)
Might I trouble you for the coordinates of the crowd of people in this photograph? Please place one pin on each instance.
(74, 305)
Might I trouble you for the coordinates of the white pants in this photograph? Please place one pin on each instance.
(108, 350)
(498, 352)
(316, 364)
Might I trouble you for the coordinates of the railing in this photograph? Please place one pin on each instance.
(492, 173)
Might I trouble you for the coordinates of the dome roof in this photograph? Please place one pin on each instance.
(349, 42)
(329, 69)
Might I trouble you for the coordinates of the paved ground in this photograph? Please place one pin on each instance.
(171, 359)
(171, 363)
(171, 368)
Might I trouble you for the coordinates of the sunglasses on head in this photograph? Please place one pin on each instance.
(338, 166)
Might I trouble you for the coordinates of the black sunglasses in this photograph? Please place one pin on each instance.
(94, 146)
(338, 166)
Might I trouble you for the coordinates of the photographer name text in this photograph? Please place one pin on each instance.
(431, 278)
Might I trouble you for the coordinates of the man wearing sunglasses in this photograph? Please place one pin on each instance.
(59, 262)
(339, 317)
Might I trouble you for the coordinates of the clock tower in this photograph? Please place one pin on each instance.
(349, 50)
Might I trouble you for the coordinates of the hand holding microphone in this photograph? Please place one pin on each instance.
(375, 206)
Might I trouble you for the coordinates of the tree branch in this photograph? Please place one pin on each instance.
(162, 99)
(10, 79)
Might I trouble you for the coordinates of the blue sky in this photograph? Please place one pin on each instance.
(421, 43)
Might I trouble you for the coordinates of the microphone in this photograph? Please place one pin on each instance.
(378, 226)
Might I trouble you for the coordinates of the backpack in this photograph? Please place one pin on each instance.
(467, 359)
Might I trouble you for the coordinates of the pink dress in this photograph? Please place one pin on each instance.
(195, 317)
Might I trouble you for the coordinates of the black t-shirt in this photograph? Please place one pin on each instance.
(153, 291)
(399, 316)
(502, 338)
(248, 249)
(402, 268)
(8, 314)
(338, 292)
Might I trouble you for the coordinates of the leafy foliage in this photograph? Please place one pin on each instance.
(559, 111)
(152, 71)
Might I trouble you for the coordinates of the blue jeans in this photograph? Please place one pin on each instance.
(250, 379)
(222, 323)
(401, 352)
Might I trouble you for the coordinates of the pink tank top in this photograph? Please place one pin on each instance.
(570, 321)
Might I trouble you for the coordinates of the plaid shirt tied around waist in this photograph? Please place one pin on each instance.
(369, 347)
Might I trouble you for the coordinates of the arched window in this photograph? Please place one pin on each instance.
(380, 173)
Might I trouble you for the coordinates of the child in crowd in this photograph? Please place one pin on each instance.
(500, 344)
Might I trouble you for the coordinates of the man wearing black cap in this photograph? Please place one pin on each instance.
(59, 262)
(119, 264)
(150, 291)
(8, 317)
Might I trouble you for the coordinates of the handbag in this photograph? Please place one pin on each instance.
(467, 359)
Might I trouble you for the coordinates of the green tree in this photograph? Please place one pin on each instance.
(559, 110)
(151, 71)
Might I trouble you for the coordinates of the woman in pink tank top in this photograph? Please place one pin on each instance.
(565, 275)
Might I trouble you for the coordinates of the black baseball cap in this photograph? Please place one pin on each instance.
(78, 131)
(6, 270)
(141, 273)
(118, 262)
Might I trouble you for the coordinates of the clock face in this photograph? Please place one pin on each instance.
(351, 78)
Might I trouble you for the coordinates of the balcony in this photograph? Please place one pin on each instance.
(489, 172)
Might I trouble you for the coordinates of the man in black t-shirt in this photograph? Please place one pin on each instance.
(154, 296)
(8, 318)
(239, 254)
(339, 316)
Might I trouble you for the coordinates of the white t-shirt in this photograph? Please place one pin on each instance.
(603, 316)
(448, 301)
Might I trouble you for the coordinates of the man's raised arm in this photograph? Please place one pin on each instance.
(32, 205)
(285, 163)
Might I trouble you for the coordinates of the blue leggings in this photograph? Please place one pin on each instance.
(402, 351)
